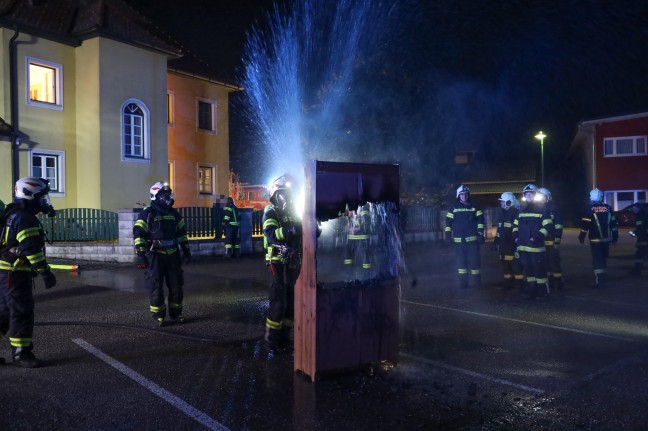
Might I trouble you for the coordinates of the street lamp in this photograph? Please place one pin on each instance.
(541, 136)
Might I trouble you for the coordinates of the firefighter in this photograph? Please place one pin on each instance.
(601, 226)
(505, 243)
(531, 228)
(641, 233)
(231, 226)
(465, 230)
(552, 243)
(282, 238)
(22, 257)
(160, 234)
(356, 254)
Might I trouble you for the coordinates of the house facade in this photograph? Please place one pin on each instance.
(91, 104)
(614, 157)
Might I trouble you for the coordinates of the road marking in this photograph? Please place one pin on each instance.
(527, 322)
(472, 373)
(167, 396)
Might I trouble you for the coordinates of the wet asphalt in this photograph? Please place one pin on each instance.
(475, 359)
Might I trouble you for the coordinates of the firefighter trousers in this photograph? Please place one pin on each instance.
(165, 269)
(282, 294)
(17, 308)
(468, 263)
(232, 241)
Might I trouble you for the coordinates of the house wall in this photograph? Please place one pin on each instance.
(5, 112)
(621, 173)
(127, 72)
(189, 147)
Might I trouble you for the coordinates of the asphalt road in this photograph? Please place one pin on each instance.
(469, 359)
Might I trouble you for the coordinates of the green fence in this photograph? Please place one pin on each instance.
(81, 224)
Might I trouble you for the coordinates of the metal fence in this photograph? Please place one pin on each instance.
(81, 224)
(86, 224)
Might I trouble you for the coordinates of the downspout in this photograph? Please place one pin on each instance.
(13, 91)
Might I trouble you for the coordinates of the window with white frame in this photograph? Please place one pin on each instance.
(44, 83)
(619, 199)
(624, 146)
(135, 132)
(206, 180)
(50, 165)
(206, 113)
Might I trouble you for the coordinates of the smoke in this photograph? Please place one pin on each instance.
(414, 82)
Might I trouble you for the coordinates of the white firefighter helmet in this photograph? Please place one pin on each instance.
(462, 189)
(29, 188)
(546, 193)
(509, 200)
(158, 187)
(596, 195)
(279, 192)
(162, 194)
(530, 188)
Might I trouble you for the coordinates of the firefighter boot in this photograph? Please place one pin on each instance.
(272, 339)
(23, 357)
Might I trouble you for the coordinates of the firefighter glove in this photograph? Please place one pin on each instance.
(186, 255)
(581, 238)
(142, 260)
(49, 279)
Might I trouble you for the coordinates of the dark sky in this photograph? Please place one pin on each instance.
(462, 74)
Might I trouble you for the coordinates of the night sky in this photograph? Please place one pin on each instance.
(455, 75)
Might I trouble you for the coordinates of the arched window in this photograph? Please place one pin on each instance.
(135, 132)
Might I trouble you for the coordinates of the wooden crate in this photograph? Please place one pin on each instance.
(338, 329)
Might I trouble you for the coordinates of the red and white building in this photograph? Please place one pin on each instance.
(614, 156)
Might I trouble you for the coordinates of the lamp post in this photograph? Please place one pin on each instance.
(541, 136)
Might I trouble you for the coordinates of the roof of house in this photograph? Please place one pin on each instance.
(585, 129)
(73, 21)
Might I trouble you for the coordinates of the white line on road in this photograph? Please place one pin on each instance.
(527, 322)
(472, 373)
(167, 396)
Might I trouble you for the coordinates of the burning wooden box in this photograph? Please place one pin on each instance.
(346, 323)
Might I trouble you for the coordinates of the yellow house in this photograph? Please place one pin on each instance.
(89, 101)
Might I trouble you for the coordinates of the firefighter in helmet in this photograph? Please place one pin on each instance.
(552, 243)
(231, 226)
(162, 246)
(22, 257)
(465, 230)
(505, 243)
(282, 238)
(601, 226)
(357, 257)
(531, 228)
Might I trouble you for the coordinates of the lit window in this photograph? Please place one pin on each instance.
(51, 166)
(626, 146)
(44, 84)
(170, 108)
(206, 115)
(206, 180)
(135, 141)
